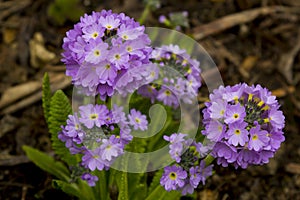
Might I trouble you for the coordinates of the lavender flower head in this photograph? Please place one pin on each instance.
(189, 169)
(101, 48)
(245, 123)
(174, 89)
(99, 134)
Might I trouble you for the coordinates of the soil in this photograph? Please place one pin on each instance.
(263, 49)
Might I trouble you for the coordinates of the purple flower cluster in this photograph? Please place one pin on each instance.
(182, 85)
(190, 169)
(100, 134)
(245, 123)
(101, 48)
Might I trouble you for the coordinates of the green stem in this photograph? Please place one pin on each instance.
(123, 181)
(145, 13)
(209, 159)
(123, 188)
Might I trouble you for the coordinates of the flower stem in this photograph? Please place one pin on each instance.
(209, 159)
(145, 13)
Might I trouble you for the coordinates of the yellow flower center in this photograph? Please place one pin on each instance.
(173, 176)
(129, 49)
(220, 128)
(93, 116)
(168, 92)
(222, 112)
(137, 120)
(254, 137)
(117, 56)
(97, 53)
(236, 116)
(95, 35)
(237, 132)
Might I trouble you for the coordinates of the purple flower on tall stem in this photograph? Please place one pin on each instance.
(105, 37)
(252, 120)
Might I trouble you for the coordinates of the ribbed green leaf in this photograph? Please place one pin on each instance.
(60, 108)
(47, 163)
(155, 181)
(46, 96)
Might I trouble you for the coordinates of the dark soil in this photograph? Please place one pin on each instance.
(261, 50)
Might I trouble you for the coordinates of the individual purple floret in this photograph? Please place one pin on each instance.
(137, 120)
(245, 123)
(101, 48)
(93, 115)
(173, 177)
(181, 76)
(90, 179)
(188, 155)
(111, 148)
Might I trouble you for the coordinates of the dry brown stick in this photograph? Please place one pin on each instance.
(10, 160)
(15, 93)
(229, 21)
(286, 60)
(10, 7)
(60, 83)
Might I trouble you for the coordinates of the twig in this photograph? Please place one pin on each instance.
(286, 60)
(229, 21)
(60, 81)
(9, 160)
(10, 7)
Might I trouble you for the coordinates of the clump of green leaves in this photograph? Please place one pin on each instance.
(62, 10)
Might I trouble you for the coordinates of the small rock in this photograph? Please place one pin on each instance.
(9, 35)
(39, 55)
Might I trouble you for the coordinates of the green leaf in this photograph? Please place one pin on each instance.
(139, 191)
(69, 188)
(46, 96)
(59, 11)
(159, 193)
(101, 190)
(155, 181)
(47, 163)
(60, 108)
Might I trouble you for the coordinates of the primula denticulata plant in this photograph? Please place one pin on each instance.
(130, 115)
